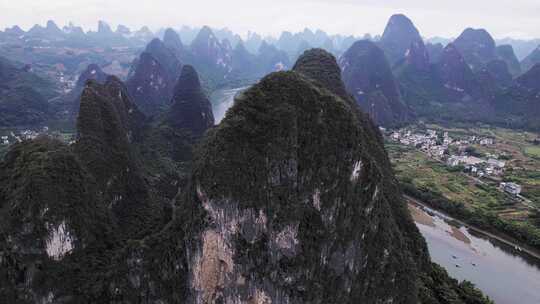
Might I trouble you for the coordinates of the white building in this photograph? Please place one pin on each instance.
(486, 141)
(511, 188)
(454, 161)
(496, 163)
(471, 160)
(405, 141)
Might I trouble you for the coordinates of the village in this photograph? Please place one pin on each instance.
(458, 154)
(10, 137)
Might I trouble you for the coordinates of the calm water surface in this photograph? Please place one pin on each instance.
(501, 271)
(222, 100)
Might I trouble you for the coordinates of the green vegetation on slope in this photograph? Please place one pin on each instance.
(23, 96)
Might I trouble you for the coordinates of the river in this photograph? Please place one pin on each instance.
(222, 100)
(504, 273)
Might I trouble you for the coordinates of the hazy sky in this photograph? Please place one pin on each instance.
(514, 18)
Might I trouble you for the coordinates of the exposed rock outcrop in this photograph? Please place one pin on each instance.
(291, 199)
(399, 35)
(476, 46)
(50, 213)
(210, 54)
(166, 57)
(506, 53)
(456, 75)
(172, 40)
(271, 59)
(150, 84)
(92, 72)
(531, 60)
(519, 104)
(368, 77)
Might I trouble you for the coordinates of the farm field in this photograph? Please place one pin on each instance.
(477, 201)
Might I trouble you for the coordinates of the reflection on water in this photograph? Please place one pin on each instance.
(222, 100)
(499, 270)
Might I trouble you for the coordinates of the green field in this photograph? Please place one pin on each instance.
(523, 157)
(533, 151)
(477, 202)
(413, 166)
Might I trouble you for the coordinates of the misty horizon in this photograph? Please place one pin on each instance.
(159, 30)
(343, 17)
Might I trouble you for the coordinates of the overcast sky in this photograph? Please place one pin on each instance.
(502, 18)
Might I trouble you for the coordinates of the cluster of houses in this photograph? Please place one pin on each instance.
(67, 83)
(480, 167)
(19, 136)
(437, 145)
(511, 188)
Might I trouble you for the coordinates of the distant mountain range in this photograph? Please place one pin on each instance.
(462, 79)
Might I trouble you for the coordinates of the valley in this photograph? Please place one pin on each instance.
(476, 199)
(468, 254)
(197, 164)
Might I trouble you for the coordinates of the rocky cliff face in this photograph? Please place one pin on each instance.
(92, 72)
(532, 59)
(209, 52)
(456, 75)
(519, 104)
(244, 64)
(506, 53)
(449, 89)
(417, 57)
(289, 233)
(291, 238)
(150, 84)
(399, 34)
(191, 110)
(50, 31)
(530, 80)
(368, 77)
(271, 59)
(477, 47)
(51, 214)
(291, 199)
(434, 51)
(500, 72)
(172, 40)
(67, 208)
(166, 57)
